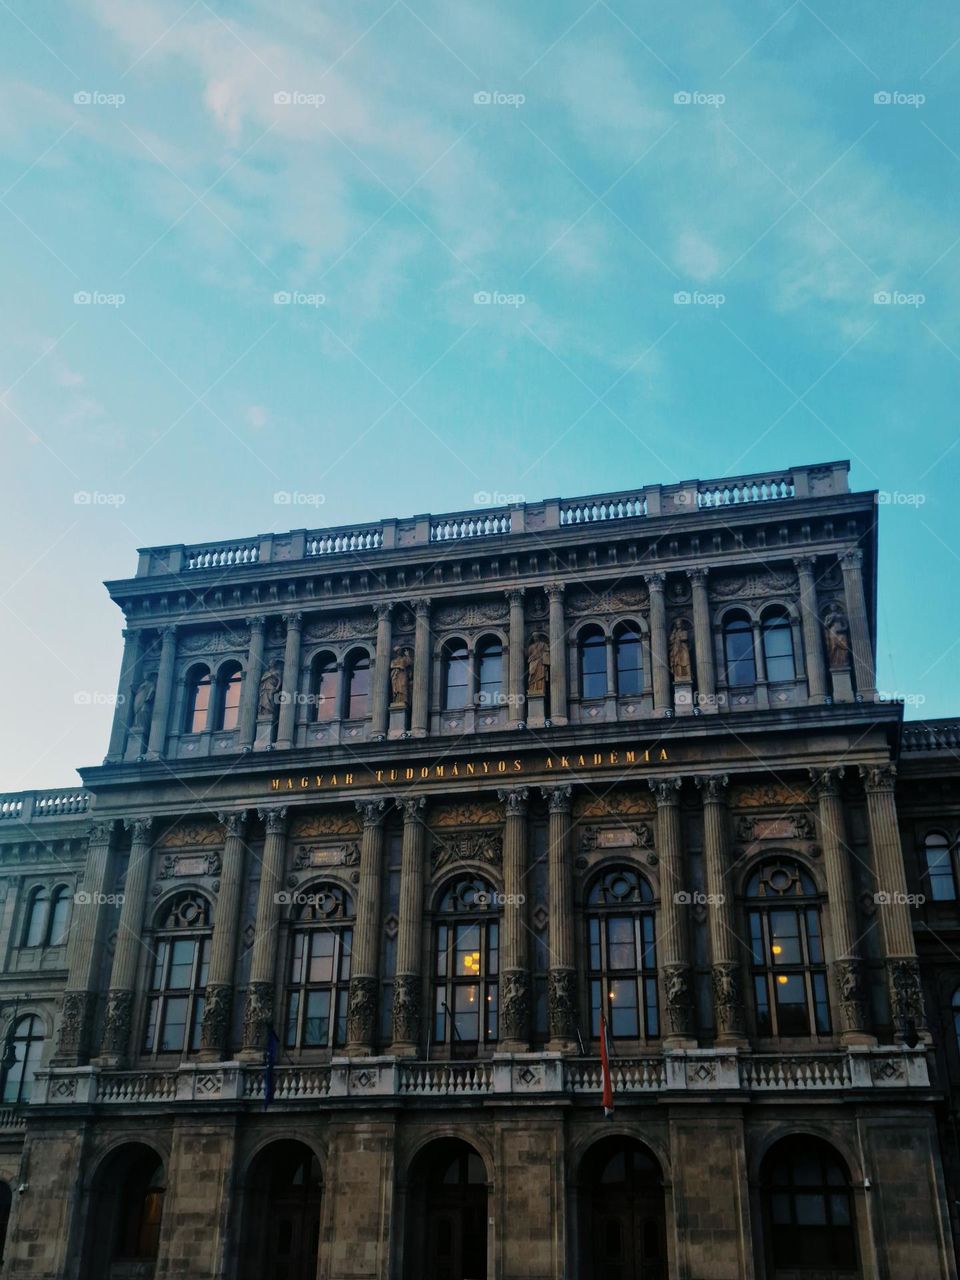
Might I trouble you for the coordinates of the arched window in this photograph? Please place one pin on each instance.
(456, 680)
(941, 883)
(123, 1237)
(738, 651)
(26, 1040)
(786, 943)
(808, 1211)
(466, 964)
(198, 700)
(593, 663)
(622, 1212)
(59, 917)
(229, 684)
(357, 685)
(323, 686)
(318, 981)
(489, 672)
(35, 922)
(621, 945)
(629, 660)
(447, 1213)
(777, 635)
(178, 977)
(281, 1214)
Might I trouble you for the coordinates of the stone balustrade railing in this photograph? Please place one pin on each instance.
(931, 735)
(499, 520)
(29, 806)
(508, 1075)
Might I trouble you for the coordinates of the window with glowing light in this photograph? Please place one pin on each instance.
(788, 970)
(466, 965)
(622, 955)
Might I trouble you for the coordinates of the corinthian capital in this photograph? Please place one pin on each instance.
(413, 807)
(698, 576)
(655, 581)
(558, 798)
(666, 790)
(713, 787)
(555, 591)
(826, 782)
(421, 607)
(514, 800)
(878, 777)
(383, 610)
(139, 827)
(371, 811)
(274, 818)
(234, 822)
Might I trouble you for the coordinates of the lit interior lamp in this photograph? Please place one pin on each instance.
(782, 979)
(776, 948)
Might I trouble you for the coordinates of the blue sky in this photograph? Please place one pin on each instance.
(196, 159)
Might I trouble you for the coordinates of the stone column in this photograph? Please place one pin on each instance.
(812, 638)
(258, 1012)
(658, 643)
(563, 975)
(851, 563)
(899, 949)
(725, 970)
(381, 671)
(161, 702)
(672, 941)
(123, 710)
(558, 655)
(218, 1005)
(250, 689)
(847, 970)
(364, 980)
(84, 950)
(517, 660)
(703, 642)
(407, 983)
(126, 956)
(514, 969)
(420, 710)
(291, 681)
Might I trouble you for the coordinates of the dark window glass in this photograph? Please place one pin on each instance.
(358, 687)
(621, 956)
(455, 676)
(231, 682)
(36, 925)
(777, 637)
(789, 975)
(26, 1038)
(593, 663)
(738, 649)
(940, 879)
(809, 1210)
(629, 662)
(489, 672)
(318, 977)
(325, 687)
(59, 917)
(198, 701)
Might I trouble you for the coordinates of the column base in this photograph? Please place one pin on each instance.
(680, 1042)
(513, 1046)
(251, 1057)
(355, 1050)
(562, 1045)
(855, 1039)
(727, 1040)
(402, 1049)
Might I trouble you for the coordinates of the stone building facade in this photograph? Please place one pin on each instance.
(309, 979)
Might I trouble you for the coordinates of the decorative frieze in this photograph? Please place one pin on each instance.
(468, 847)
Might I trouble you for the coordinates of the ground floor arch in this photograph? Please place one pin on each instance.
(808, 1214)
(446, 1228)
(621, 1210)
(282, 1199)
(126, 1214)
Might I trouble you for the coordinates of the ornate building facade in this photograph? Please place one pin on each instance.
(309, 979)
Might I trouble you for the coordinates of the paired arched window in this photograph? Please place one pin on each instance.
(466, 964)
(21, 1059)
(808, 1210)
(622, 955)
(741, 666)
(456, 675)
(357, 685)
(48, 917)
(489, 671)
(178, 976)
(940, 877)
(629, 650)
(199, 688)
(226, 713)
(787, 962)
(777, 636)
(323, 686)
(318, 980)
(592, 650)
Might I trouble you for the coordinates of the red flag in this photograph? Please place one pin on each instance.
(605, 1070)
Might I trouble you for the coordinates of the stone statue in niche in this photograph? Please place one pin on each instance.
(837, 635)
(270, 683)
(680, 665)
(143, 703)
(400, 667)
(538, 666)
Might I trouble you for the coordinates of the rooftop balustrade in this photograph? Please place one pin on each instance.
(497, 521)
(31, 806)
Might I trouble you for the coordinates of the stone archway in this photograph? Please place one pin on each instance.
(126, 1212)
(622, 1214)
(281, 1213)
(446, 1235)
